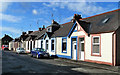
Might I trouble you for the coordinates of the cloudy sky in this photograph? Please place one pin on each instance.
(16, 17)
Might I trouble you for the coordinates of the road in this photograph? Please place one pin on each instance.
(23, 63)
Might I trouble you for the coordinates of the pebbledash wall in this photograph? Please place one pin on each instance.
(106, 47)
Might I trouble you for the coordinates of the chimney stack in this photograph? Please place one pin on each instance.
(30, 32)
(23, 33)
(43, 27)
(40, 29)
(54, 22)
(77, 17)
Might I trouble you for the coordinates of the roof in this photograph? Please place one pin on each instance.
(32, 35)
(104, 22)
(64, 30)
(40, 34)
(7, 37)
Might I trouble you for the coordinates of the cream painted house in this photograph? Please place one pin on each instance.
(93, 39)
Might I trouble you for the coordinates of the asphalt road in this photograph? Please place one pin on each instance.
(23, 63)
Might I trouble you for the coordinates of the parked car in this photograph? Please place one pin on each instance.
(5, 47)
(39, 53)
(20, 50)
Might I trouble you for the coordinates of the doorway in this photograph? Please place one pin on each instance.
(81, 48)
(74, 48)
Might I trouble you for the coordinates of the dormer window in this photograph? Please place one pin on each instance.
(105, 20)
(49, 29)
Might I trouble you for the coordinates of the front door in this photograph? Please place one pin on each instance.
(81, 48)
(74, 50)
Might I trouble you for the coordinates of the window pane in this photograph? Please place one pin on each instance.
(82, 46)
(96, 40)
(75, 47)
(96, 48)
(64, 45)
(47, 44)
(81, 39)
(41, 44)
(64, 40)
(52, 44)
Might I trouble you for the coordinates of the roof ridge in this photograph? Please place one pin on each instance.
(100, 14)
(66, 23)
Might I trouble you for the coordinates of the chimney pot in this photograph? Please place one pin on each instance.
(40, 29)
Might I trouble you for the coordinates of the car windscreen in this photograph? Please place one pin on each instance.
(40, 49)
(6, 46)
(21, 48)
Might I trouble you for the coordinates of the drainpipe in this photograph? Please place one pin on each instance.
(114, 49)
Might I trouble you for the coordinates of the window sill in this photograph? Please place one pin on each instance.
(64, 52)
(99, 55)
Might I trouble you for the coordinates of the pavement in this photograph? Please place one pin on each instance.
(24, 64)
(95, 65)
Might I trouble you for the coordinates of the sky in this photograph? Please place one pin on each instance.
(16, 17)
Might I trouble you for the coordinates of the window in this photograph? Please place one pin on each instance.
(28, 45)
(105, 20)
(41, 44)
(64, 45)
(52, 44)
(96, 45)
(46, 44)
(34, 45)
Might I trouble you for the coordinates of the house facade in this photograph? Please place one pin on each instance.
(92, 39)
(5, 40)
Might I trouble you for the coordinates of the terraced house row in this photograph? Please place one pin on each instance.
(92, 39)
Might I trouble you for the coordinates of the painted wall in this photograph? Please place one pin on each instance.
(106, 48)
(49, 45)
(11, 45)
(59, 48)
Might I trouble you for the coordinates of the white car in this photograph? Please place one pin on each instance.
(20, 50)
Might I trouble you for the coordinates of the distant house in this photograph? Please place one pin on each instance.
(93, 39)
(5, 40)
(30, 43)
(18, 42)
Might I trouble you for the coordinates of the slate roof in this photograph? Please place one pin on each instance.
(64, 30)
(32, 35)
(104, 22)
(40, 34)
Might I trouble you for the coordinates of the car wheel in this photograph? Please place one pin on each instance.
(38, 56)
